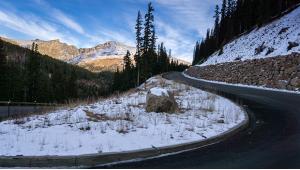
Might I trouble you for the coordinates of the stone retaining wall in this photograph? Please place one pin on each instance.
(282, 72)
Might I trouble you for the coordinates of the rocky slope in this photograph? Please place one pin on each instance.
(107, 56)
(280, 72)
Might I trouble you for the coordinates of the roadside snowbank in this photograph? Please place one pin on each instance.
(120, 123)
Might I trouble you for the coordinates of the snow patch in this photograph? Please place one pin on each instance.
(159, 91)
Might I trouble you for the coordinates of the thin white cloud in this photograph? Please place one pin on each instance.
(184, 17)
(67, 21)
(60, 16)
(104, 35)
(173, 39)
(193, 14)
(35, 27)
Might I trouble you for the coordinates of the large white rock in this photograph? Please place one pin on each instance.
(160, 100)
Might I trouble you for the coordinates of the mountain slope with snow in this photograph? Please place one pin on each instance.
(110, 49)
(281, 37)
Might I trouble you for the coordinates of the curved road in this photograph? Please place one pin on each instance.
(271, 141)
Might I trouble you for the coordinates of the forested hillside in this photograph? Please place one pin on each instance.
(236, 17)
(26, 75)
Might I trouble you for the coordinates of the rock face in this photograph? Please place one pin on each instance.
(282, 72)
(57, 49)
(160, 100)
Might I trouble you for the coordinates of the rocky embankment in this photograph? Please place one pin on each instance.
(281, 72)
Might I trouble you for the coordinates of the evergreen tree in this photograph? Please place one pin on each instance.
(117, 82)
(127, 62)
(36, 48)
(153, 39)
(72, 85)
(128, 75)
(229, 9)
(148, 57)
(223, 10)
(216, 27)
(217, 18)
(148, 28)
(139, 45)
(33, 46)
(3, 74)
(196, 54)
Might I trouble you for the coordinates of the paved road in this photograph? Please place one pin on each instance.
(271, 141)
(7, 111)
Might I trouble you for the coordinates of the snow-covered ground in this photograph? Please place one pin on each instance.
(120, 123)
(272, 37)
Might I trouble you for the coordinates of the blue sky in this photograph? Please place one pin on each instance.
(86, 23)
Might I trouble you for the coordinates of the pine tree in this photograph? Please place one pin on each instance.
(229, 8)
(116, 80)
(223, 10)
(33, 74)
(148, 28)
(139, 45)
(153, 39)
(128, 72)
(127, 62)
(33, 46)
(148, 57)
(3, 74)
(36, 48)
(217, 25)
(217, 18)
(196, 57)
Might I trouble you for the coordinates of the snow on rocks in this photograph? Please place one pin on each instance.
(121, 123)
(159, 91)
(281, 37)
(160, 100)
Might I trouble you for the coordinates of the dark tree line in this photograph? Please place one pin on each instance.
(28, 76)
(234, 18)
(150, 59)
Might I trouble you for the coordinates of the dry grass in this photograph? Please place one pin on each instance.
(103, 117)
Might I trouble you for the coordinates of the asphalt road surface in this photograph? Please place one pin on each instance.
(272, 139)
(7, 111)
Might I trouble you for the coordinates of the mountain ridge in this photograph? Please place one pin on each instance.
(105, 56)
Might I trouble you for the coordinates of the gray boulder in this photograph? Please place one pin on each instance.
(160, 100)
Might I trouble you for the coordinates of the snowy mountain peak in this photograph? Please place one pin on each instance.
(110, 49)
